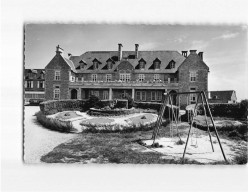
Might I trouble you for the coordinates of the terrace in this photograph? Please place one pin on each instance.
(122, 84)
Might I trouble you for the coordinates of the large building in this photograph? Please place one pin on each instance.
(34, 83)
(142, 75)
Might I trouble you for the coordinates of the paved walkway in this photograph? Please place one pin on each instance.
(38, 140)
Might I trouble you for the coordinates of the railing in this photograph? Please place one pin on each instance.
(123, 83)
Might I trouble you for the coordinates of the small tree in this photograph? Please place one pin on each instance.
(93, 102)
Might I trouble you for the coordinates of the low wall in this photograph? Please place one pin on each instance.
(54, 106)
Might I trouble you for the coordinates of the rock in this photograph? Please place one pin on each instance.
(143, 117)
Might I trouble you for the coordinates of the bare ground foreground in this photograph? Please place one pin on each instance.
(135, 148)
(38, 140)
(43, 145)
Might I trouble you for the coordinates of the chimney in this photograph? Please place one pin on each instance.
(136, 51)
(185, 54)
(192, 51)
(59, 50)
(119, 51)
(201, 55)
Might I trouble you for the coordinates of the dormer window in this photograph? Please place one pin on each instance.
(156, 63)
(171, 64)
(142, 64)
(82, 65)
(110, 63)
(96, 64)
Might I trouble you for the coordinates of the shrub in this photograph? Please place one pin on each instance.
(121, 104)
(54, 124)
(148, 105)
(236, 110)
(93, 102)
(54, 106)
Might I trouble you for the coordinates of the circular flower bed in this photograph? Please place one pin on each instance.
(138, 121)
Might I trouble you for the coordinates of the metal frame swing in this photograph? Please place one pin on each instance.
(201, 94)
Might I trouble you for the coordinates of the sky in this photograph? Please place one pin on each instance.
(224, 47)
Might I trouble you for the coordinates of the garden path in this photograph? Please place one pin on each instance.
(38, 140)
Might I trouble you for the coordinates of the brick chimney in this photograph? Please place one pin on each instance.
(119, 51)
(192, 51)
(59, 50)
(136, 51)
(185, 54)
(201, 55)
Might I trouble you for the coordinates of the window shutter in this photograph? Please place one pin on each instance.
(26, 84)
(37, 84)
(32, 84)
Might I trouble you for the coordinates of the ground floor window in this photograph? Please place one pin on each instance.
(156, 96)
(56, 94)
(141, 95)
(192, 96)
(105, 95)
(95, 93)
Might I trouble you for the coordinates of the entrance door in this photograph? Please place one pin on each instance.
(73, 94)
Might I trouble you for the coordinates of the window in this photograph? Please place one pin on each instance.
(30, 75)
(192, 76)
(156, 63)
(125, 77)
(142, 65)
(153, 96)
(141, 77)
(172, 64)
(40, 84)
(108, 77)
(80, 79)
(141, 95)
(156, 95)
(105, 95)
(159, 95)
(57, 75)
(42, 76)
(192, 96)
(72, 78)
(56, 93)
(29, 84)
(156, 77)
(94, 77)
(96, 93)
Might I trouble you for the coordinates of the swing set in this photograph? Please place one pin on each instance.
(174, 116)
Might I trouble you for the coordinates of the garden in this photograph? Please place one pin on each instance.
(112, 132)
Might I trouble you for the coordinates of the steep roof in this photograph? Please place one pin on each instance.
(149, 56)
(70, 63)
(38, 72)
(222, 95)
(194, 59)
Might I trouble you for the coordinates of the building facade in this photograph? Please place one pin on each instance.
(34, 84)
(143, 75)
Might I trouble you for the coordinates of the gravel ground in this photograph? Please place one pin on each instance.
(38, 140)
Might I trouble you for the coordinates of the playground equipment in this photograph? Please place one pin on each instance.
(174, 114)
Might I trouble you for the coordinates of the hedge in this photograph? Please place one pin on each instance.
(54, 106)
(225, 110)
